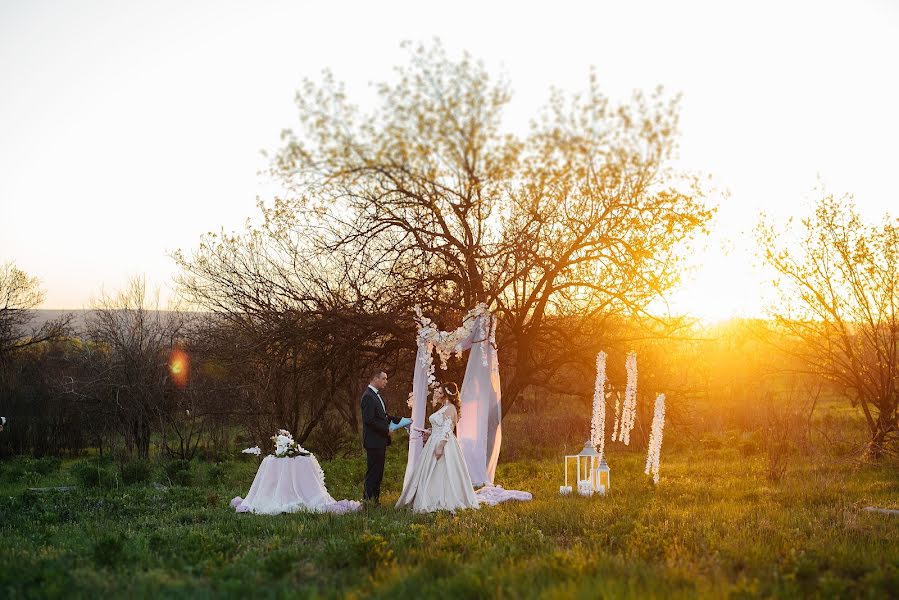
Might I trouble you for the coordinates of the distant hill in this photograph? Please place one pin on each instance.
(42, 316)
(79, 317)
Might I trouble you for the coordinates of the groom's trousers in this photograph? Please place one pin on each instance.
(374, 474)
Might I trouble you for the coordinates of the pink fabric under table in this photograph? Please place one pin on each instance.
(290, 485)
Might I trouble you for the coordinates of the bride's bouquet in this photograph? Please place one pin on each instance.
(285, 446)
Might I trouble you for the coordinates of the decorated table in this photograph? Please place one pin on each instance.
(290, 484)
(290, 480)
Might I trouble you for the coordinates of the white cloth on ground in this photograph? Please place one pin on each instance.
(492, 495)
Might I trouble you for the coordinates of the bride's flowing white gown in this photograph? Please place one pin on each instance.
(440, 484)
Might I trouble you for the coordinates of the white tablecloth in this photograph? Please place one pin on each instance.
(290, 485)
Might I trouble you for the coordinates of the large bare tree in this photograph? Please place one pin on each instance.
(839, 282)
(425, 199)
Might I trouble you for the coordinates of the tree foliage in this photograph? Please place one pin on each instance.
(20, 294)
(839, 284)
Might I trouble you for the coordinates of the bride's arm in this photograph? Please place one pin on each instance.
(449, 420)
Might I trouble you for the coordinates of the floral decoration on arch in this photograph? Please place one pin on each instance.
(448, 343)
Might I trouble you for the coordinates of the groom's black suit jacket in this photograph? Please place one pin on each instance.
(375, 421)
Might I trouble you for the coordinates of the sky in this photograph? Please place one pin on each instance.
(129, 129)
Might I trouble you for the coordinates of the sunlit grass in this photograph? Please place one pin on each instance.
(714, 526)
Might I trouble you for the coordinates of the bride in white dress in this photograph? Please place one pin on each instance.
(440, 480)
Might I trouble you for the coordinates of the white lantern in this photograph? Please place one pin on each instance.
(592, 472)
(602, 477)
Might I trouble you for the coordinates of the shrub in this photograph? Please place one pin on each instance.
(28, 470)
(46, 465)
(11, 470)
(95, 473)
(779, 451)
(179, 472)
(216, 472)
(331, 439)
(137, 471)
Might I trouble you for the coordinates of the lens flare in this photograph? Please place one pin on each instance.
(179, 367)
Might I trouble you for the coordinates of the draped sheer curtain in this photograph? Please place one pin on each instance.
(479, 430)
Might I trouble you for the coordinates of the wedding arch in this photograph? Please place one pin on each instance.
(479, 430)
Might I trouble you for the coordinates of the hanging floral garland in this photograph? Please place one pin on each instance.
(598, 423)
(629, 410)
(447, 343)
(655, 439)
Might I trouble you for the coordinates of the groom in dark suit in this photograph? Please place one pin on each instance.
(375, 435)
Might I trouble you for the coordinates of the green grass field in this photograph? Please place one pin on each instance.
(713, 527)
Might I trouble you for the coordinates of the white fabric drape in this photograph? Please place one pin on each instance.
(419, 403)
(479, 430)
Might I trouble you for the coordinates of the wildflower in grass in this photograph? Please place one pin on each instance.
(598, 423)
(655, 439)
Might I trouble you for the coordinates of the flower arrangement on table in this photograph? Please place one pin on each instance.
(285, 446)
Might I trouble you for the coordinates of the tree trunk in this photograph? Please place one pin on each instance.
(877, 445)
(875, 448)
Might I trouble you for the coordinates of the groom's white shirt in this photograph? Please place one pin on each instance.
(378, 394)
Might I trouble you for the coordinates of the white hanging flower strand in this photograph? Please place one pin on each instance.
(655, 439)
(598, 423)
(629, 412)
(615, 431)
